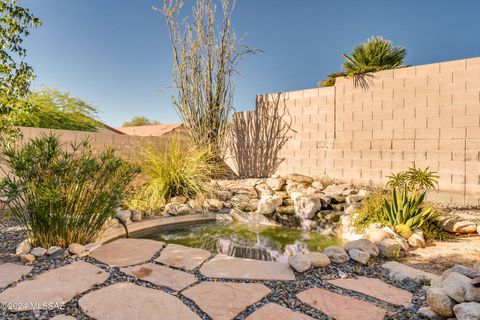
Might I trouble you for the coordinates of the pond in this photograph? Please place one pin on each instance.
(271, 243)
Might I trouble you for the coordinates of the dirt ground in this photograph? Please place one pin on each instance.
(440, 256)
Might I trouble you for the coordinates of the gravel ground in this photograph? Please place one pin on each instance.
(283, 293)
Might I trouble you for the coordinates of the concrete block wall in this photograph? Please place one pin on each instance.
(427, 115)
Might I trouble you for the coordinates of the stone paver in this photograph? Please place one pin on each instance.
(274, 311)
(126, 252)
(225, 300)
(223, 266)
(127, 301)
(376, 288)
(161, 275)
(10, 272)
(56, 286)
(400, 272)
(340, 307)
(183, 257)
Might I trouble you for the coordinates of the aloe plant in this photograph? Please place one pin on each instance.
(407, 209)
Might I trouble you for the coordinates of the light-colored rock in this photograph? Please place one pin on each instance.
(468, 272)
(289, 210)
(76, 249)
(299, 178)
(223, 195)
(247, 206)
(127, 301)
(225, 300)
(136, 215)
(10, 272)
(161, 275)
(389, 248)
(263, 189)
(359, 255)
(335, 190)
(250, 217)
(276, 183)
(400, 272)
(354, 199)
(307, 206)
(178, 256)
(213, 205)
(27, 258)
(417, 239)
(300, 263)
(223, 266)
(400, 240)
(268, 203)
(340, 307)
(376, 288)
(53, 249)
(453, 225)
(439, 302)
(178, 209)
(243, 189)
(377, 234)
(351, 209)
(427, 313)
(23, 247)
(38, 252)
(272, 311)
(124, 215)
(363, 245)
(336, 254)
(467, 311)
(179, 200)
(56, 286)
(317, 185)
(126, 252)
(460, 288)
(318, 259)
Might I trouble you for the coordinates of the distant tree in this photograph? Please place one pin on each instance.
(140, 121)
(15, 74)
(53, 109)
(374, 55)
(205, 59)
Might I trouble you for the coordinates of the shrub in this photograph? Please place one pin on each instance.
(63, 193)
(176, 168)
(370, 212)
(414, 179)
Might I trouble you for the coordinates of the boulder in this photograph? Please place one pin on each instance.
(389, 248)
(249, 217)
(359, 255)
(318, 259)
(460, 288)
(336, 254)
(76, 249)
(468, 272)
(23, 247)
(276, 184)
(467, 311)
(417, 240)
(439, 302)
(223, 195)
(268, 204)
(124, 215)
(285, 210)
(136, 215)
(52, 250)
(354, 199)
(179, 200)
(363, 245)
(453, 225)
(299, 178)
(400, 240)
(263, 189)
(244, 189)
(213, 205)
(178, 209)
(247, 206)
(27, 258)
(282, 194)
(427, 313)
(38, 252)
(296, 187)
(335, 190)
(307, 206)
(300, 263)
(317, 185)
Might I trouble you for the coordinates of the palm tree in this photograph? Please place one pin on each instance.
(374, 55)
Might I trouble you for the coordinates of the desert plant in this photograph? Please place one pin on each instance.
(63, 193)
(205, 59)
(370, 212)
(414, 179)
(331, 78)
(407, 209)
(175, 168)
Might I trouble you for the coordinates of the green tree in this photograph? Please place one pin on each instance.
(139, 121)
(374, 55)
(15, 74)
(53, 109)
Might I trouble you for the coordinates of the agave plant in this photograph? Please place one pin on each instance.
(406, 210)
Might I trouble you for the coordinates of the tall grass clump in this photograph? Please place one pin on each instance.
(177, 167)
(63, 193)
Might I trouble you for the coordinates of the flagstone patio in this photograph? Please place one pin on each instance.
(193, 284)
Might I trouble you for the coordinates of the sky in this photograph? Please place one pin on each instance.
(116, 54)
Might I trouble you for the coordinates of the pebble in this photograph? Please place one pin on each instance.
(76, 249)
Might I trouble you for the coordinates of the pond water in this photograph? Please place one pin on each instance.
(269, 243)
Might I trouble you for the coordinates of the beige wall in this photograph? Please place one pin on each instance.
(426, 115)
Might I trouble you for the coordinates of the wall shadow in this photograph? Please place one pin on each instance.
(256, 137)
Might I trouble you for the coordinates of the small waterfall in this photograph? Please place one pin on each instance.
(235, 248)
